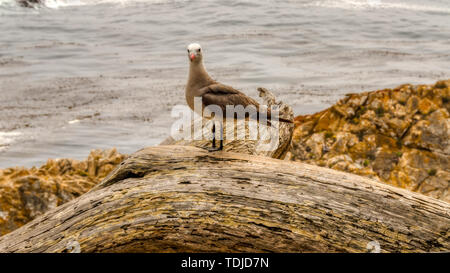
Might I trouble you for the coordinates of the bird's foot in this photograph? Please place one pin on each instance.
(214, 149)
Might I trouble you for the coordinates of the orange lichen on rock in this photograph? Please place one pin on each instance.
(398, 136)
(27, 193)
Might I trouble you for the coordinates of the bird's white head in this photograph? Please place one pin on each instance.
(195, 52)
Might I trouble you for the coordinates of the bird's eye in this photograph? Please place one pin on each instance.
(188, 50)
(199, 49)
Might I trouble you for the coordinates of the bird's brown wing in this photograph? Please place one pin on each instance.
(223, 95)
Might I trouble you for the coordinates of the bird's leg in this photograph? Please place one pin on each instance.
(214, 148)
(221, 136)
(214, 135)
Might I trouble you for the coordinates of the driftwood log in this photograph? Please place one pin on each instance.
(184, 199)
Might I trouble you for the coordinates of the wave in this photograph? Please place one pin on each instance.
(7, 138)
(380, 4)
(439, 6)
(55, 4)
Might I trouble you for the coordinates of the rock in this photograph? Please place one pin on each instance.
(28, 193)
(426, 106)
(431, 133)
(423, 171)
(412, 105)
(385, 161)
(29, 3)
(399, 136)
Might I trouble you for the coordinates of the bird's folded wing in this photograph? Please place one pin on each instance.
(223, 95)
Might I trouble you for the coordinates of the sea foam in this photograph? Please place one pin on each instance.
(7, 138)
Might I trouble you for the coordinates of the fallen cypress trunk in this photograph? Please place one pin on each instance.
(184, 199)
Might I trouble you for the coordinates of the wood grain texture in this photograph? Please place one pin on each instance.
(184, 199)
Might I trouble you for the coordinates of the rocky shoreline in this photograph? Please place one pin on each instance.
(28, 193)
(397, 136)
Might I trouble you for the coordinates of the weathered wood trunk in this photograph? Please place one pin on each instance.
(182, 198)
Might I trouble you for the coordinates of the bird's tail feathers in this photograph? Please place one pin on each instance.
(285, 120)
(280, 119)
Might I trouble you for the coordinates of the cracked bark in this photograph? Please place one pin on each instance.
(184, 199)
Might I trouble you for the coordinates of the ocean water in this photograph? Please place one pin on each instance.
(76, 75)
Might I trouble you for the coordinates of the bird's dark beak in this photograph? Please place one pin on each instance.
(192, 57)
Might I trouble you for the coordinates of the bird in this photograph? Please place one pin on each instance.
(211, 92)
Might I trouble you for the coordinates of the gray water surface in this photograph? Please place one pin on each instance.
(79, 75)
